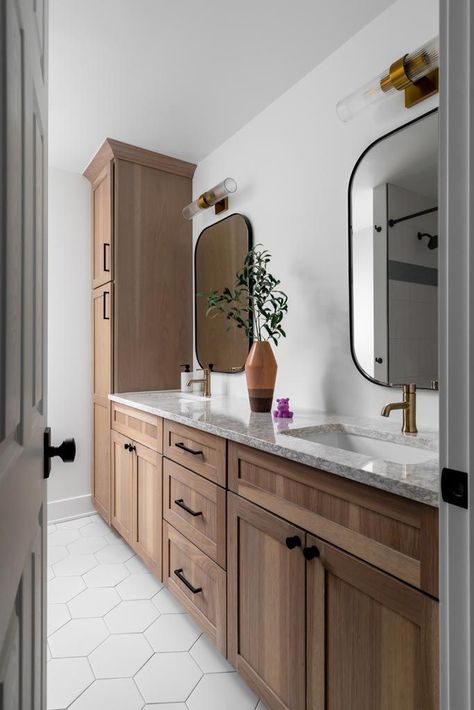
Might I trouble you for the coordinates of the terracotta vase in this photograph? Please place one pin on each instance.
(260, 370)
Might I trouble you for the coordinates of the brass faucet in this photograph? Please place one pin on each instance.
(409, 409)
(205, 380)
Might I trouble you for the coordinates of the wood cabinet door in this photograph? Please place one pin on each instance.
(122, 485)
(102, 343)
(266, 604)
(372, 640)
(147, 503)
(102, 266)
(101, 459)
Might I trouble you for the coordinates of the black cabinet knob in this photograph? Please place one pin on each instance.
(292, 542)
(126, 446)
(379, 360)
(311, 552)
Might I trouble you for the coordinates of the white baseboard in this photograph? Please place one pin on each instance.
(68, 508)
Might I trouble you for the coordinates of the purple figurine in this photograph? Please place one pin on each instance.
(283, 409)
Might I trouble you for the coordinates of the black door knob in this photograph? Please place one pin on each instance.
(311, 552)
(66, 451)
(292, 542)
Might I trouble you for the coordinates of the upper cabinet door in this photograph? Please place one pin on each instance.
(102, 228)
(372, 640)
(266, 604)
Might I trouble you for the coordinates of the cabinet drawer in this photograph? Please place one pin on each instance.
(205, 597)
(140, 426)
(197, 508)
(395, 534)
(201, 452)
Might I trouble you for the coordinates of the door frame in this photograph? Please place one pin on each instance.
(456, 346)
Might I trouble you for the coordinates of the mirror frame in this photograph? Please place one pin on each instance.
(250, 246)
(350, 235)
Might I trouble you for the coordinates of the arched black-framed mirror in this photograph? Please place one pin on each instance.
(220, 252)
(393, 256)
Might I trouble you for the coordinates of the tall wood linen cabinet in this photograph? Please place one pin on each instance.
(141, 284)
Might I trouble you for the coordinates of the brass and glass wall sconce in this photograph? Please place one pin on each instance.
(416, 74)
(216, 197)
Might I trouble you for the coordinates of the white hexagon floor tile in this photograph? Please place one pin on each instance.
(96, 529)
(74, 565)
(115, 552)
(67, 679)
(78, 637)
(166, 706)
(76, 523)
(136, 566)
(106, 575)
(87, 545)
(131, 617)
(56, 554)
(221, 690)
(113, 694)
(208, 657)
(120, 656)
(94, 602)
(167, 604)
(63, 589)
(168, 677)
(139, 586)
(57, 616)
(173, 632)
(62, 537)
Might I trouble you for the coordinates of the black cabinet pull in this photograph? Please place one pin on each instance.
(104, 306)
(311, 552)
(126, 446)
(180, 502)
(292, 542)
(180, 575)
(130, 447)
(105, 256)
(180, 445)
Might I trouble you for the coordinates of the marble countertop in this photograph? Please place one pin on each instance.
(231, 418)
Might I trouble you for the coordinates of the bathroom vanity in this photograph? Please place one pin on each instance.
(313, 568)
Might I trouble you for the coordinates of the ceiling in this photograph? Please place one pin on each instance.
(180, 76)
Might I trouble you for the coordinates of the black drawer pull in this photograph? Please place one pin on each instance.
(293, 541)
(180, 502)
(311, 552)
(180, 575)
(181, 446)
(104, 306)
(105, 257)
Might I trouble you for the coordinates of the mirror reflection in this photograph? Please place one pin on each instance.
(393, 196)
(220, 253)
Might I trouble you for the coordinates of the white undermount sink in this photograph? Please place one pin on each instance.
(365, 445)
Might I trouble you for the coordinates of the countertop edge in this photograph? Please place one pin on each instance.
(404, 489)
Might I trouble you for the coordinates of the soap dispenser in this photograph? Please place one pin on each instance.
(185, 377)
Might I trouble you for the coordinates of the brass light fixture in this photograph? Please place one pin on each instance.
(416, 74)
(216, 197)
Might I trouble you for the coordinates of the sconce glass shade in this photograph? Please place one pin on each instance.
(402, 74)
(210, 197)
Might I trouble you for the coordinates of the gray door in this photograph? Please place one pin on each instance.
(23, 160)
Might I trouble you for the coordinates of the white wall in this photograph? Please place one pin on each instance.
(292, 164)
(69, 339)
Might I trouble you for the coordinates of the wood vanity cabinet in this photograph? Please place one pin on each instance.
(142, 255)
(136, 484)
(312, 627)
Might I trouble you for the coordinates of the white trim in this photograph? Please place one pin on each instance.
(456, 349)
(69, 508)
